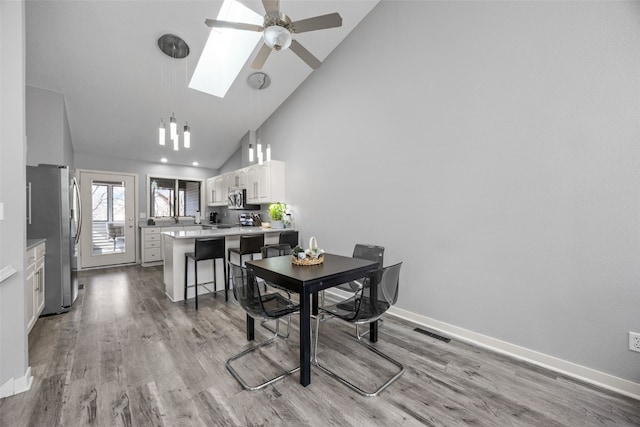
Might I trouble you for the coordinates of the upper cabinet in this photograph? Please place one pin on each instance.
(264, 184)
(218, 190)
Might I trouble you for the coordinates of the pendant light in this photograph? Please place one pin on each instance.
(162, 133)
(187, 136)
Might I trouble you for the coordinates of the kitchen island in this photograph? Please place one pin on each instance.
(176, 243)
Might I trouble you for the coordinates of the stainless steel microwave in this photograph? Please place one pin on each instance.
(237, 200)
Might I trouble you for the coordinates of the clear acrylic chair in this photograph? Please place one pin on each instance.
(377, 294)
(259, 306)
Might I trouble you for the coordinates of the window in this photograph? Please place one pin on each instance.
(173, 197)
(108, 201)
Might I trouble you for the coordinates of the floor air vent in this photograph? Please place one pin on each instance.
(432, 335)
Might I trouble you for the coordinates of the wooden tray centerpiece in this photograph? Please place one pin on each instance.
(311, 256)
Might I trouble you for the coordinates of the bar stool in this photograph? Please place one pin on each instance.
(205, 249)
(249, 245)
(289, 237)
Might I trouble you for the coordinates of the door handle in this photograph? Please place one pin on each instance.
(29, 199)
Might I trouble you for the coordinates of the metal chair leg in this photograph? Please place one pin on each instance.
(239, 378)
(345, 381)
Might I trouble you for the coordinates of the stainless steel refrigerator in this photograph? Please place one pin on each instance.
(53, 214)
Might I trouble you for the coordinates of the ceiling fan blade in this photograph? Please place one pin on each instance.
(304, 54)
(261, 57)
(214, 23)
(272, 7)
(331, 20)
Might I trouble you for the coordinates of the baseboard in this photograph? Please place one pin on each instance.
(17, 385)
(601, 379)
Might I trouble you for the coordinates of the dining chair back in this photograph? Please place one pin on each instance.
(249, 245)
(289, 237)
(378, 293)
(269, 251)
(261, 306)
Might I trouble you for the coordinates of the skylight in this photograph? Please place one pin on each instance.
(226, 51)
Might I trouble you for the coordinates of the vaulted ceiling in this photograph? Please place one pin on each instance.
(104, 58)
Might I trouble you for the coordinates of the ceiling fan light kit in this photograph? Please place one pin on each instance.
(277, 38)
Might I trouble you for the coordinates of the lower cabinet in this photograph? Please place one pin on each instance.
(35, 283)
(151, 243)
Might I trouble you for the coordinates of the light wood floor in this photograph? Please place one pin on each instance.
(126, 355)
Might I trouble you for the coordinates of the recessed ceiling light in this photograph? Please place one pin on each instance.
(163, 160)
(195, 163)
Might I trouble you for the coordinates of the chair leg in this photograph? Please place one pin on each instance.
(186, 272)
(345, 381)
(215, 281)
(195, 283)
(242, 382)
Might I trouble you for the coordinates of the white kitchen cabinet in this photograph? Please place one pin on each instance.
(151, 242)
(151, 251)
(35, 283)
(210, 191)
(265, 183)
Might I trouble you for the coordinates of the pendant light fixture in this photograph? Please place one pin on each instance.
(259, 81)
(176, 48)
(162, 133)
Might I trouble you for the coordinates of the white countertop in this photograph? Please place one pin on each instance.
(217, 232)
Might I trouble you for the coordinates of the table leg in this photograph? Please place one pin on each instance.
(373, 331)
(305, 338)
(314, 306)
(250, 330)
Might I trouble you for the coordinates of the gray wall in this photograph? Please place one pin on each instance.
(102, 163)
(48, 134)
(492, 147)
(13, 327)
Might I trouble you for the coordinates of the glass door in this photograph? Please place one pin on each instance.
(108, 233)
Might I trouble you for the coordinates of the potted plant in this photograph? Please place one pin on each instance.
(277, 212)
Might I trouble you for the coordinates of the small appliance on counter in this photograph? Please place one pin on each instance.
(213, 217)
(249, 220)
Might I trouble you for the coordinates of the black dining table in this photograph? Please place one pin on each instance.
(308, 280)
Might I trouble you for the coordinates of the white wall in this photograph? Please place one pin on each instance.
(48, 134)
(493, 148)
(14, 373)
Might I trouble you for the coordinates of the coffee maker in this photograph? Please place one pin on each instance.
(213, 217)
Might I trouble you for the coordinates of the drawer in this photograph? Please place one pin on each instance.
(153, 254)
(151, 237)
(148, 231)
(31, 256)
(40, 250)
(151, 244)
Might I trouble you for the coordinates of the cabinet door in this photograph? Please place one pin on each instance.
(31, 286)
(39, 290)
(210, 190)
(252, 185)
(221, 190)
(263, 187)
(240, 179)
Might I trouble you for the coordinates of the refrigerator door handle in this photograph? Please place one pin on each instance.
(29, 202)
(76, 190)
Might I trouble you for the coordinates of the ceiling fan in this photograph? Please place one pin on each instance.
(278, 30)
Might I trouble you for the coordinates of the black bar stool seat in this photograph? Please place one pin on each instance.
(205, 249)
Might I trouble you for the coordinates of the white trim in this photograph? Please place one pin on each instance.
(15, 386)
(6, 272)
(601, 379)
(582, 373)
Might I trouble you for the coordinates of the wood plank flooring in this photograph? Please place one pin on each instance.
(125, 355)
